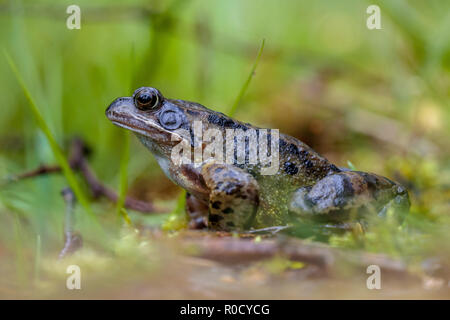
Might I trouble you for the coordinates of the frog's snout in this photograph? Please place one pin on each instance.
(119, 106)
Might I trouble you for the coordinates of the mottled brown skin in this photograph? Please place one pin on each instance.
(237, 196)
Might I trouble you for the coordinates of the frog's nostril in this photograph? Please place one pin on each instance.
(112, 105)
(118, 104)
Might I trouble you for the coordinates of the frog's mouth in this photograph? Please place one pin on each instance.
(123, 113)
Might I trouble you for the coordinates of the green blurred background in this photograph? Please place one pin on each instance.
(376, 98)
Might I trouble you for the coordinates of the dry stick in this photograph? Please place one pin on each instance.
(72, 240)
(78, 162)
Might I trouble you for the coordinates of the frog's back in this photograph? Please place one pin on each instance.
(299, 166)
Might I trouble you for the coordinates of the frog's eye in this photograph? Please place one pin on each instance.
(146, 99)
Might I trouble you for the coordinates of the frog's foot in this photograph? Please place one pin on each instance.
(197, 211)
(234, 196)
(348, 196)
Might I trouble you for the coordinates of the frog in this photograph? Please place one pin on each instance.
(238, 196)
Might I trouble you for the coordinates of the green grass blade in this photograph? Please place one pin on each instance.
(247, 82)
(57, 152)
(350, 165)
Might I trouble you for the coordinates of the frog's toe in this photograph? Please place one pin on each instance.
(399, 205)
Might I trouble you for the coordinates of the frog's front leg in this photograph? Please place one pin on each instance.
(233, 196)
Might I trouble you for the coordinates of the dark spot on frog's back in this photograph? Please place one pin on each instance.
(309, 164)
(225, 122)
(216, 204)
(303, 154)
(215, 217)
(228, 210)
(239, 126)
(192, 112)
(218, 120)
(290, 168)
(293, 149)
(289, 148)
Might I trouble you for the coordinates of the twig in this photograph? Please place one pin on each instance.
(79, 163)
(37, 172)
(247, 81)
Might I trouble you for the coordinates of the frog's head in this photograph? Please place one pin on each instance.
(156, 120)
(161, 123)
